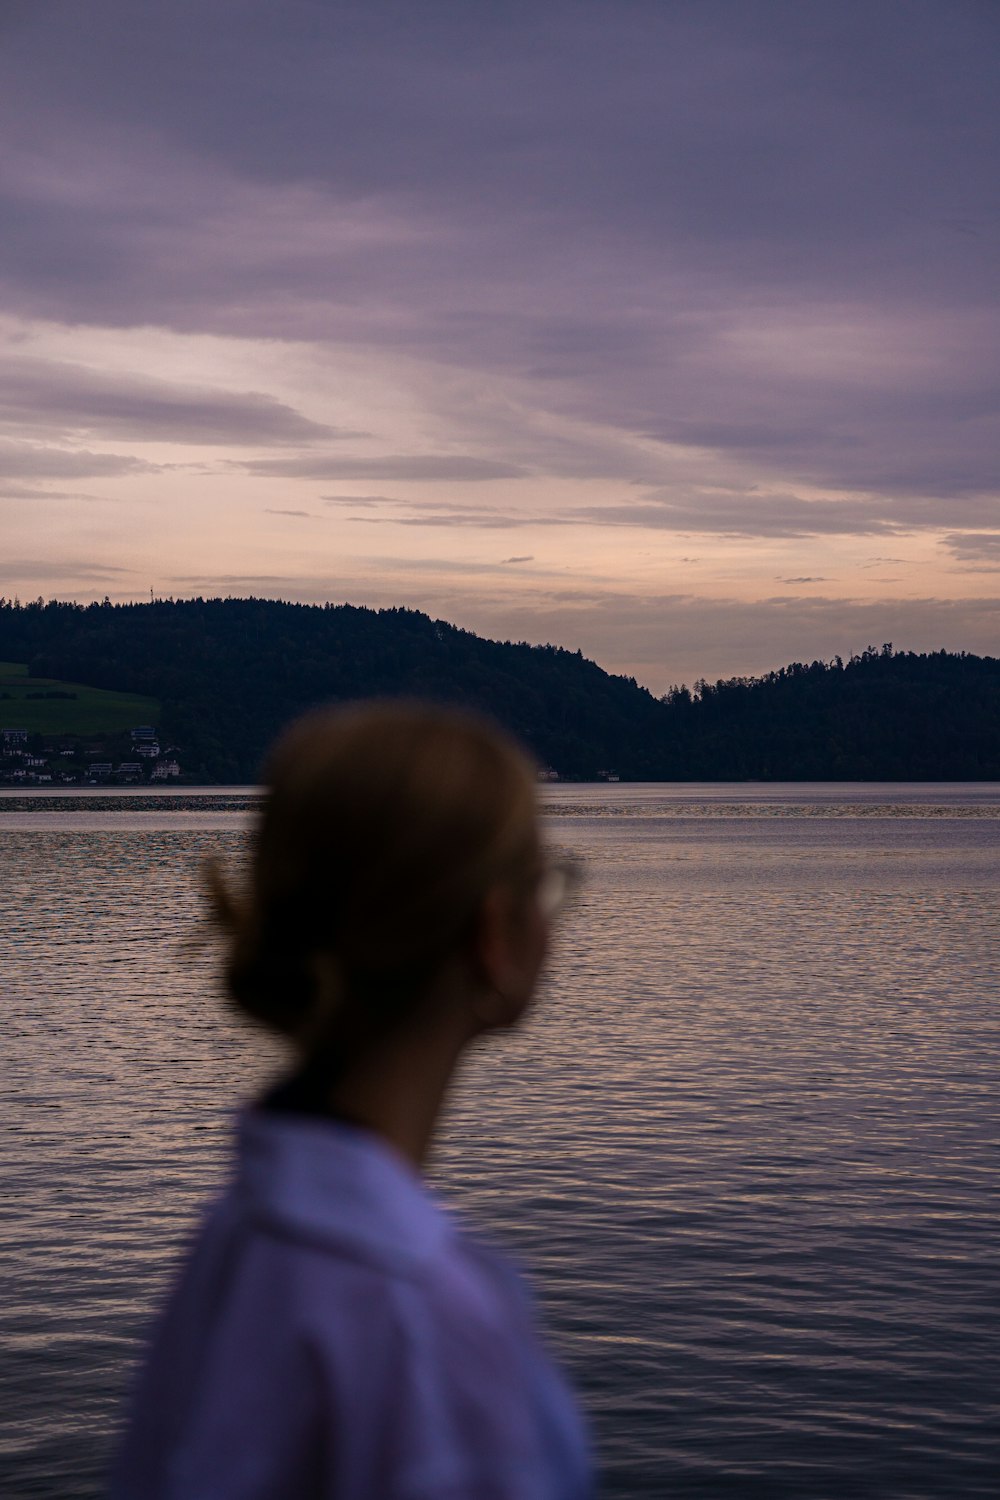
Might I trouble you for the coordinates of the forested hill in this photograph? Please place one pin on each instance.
(882, 716)
(230, 672)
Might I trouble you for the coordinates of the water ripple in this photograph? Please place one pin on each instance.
(747, 1146)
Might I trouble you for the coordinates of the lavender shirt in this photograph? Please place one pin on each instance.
(335, 1335)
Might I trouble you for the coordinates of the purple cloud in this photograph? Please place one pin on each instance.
(974, 545)
(732, 254)
(633, 208)
(41, 461)
(436, 466)
(73, 400)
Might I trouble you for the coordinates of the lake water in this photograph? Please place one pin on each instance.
(747, 1146)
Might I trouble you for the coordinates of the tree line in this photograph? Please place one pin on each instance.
(230, 672)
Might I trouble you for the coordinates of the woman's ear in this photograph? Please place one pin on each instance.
(508, 949)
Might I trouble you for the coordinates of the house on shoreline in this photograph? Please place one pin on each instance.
(29, 759)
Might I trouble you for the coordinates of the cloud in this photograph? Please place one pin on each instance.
(774, 516)
(971, 545)
(803, 580)
(446, 513)
(29, 461)
(527, 558)
(277, 585)
(306, 515)
(360, 500)
(752, 514)
(416, 466)
(779, 258)
(743, 256)
(25, 492)
(62, 398)
(488, 520)
(14, 571)
(405, 565)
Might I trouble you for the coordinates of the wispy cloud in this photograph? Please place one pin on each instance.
(401, 512)
(673, 269)
(59, 398)
(29, 492)
(774, 516)
(76, 572)
(755, 514)
(974, 546)
(360, 501)
(401, 466)
(28, 461)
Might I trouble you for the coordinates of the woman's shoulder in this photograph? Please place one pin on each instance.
(344, 1235)
(333, 1202)
(328, 1293)
(338, 1189)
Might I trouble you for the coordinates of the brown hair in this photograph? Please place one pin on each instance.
(384, 826)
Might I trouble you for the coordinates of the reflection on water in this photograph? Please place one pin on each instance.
(747, 1144)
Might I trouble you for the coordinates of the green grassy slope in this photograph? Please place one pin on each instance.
(85, 710)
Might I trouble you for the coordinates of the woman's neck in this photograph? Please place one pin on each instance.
(396, 1088)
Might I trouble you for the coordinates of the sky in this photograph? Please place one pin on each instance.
(667, 330)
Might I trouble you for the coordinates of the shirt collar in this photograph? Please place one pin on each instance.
(322, 1180)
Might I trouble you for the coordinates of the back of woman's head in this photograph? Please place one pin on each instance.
(384, 827)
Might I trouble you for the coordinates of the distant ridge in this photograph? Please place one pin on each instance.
(230, 672)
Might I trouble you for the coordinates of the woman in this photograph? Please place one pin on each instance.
(334, 1334)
